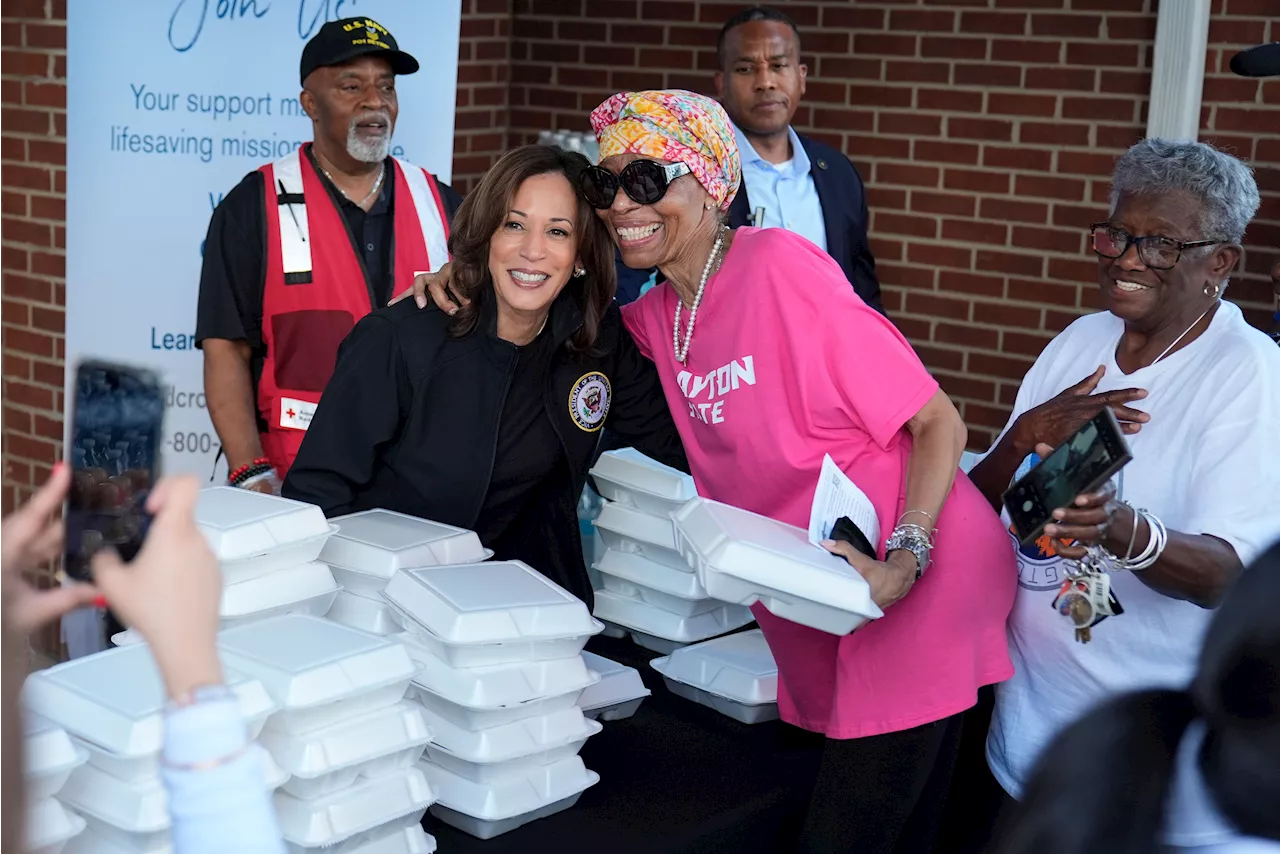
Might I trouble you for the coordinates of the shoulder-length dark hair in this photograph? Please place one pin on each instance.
(487, 207)
(1103, 783)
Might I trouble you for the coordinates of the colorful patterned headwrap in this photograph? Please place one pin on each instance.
(673, 125)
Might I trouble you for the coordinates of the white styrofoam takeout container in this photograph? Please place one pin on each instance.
(638, 569)
(481, 603)
(745, 558)
(325, 821)
(499, 772)
(49, 825)
(146, 769)
(364, 613)
(516, 740)
(116, 699)
(640, 616)
(140, 806)
(252, 533)
(402, 836)
(318, 671)
(496, 686)
(486, 654)
(380, 542)
(617, 695)
(49, 757)
(326, 760)
(658, 599)
(735, 675)
(101, 838)
(472, 718)
(625, 529)
(487, 810)
(307, 588)
(629, 477)
(662, 646)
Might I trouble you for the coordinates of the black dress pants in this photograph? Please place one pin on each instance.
(884, 794)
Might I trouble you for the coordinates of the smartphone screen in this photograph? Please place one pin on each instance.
(1081, 464)
(117, 415)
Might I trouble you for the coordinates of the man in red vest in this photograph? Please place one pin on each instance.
(304, 247)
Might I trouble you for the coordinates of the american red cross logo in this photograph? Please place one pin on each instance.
(290, 412)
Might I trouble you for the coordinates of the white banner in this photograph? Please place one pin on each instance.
(170, 104)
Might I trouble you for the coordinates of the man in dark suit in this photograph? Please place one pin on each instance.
(788, 180)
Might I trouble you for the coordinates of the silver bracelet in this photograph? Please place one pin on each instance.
(1157, 539)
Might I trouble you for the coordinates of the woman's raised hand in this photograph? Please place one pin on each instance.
(1057, 420)
(437, 286)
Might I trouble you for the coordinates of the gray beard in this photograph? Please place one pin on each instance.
(368, 152)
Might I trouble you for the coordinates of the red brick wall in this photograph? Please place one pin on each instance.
(984, 128)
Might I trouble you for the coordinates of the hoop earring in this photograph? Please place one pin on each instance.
(1212, 291)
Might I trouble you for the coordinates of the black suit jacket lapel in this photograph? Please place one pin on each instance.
(740, 208)
(836, 241)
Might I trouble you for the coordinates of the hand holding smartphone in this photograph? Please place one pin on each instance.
(1080, 465)
(116, 420)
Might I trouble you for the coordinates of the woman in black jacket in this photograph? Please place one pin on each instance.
(516, 386)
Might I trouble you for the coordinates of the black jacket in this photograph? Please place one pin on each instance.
(844, 210)
(409, 422)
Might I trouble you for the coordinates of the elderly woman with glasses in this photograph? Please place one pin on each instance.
(770, 362)
(1198, 391)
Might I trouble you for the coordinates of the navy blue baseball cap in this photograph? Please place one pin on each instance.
(344, 40)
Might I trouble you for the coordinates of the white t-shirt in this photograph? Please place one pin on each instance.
(1208, 462)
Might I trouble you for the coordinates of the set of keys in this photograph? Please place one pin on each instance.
(1085, 597)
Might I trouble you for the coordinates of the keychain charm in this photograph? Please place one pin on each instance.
(1085, 597)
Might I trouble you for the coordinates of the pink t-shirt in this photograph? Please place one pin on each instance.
(788, 364)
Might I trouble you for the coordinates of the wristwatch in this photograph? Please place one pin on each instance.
(917, 545)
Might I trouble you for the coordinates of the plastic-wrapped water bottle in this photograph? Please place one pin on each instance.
(589, 507)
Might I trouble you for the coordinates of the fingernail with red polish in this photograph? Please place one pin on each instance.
(100, 602)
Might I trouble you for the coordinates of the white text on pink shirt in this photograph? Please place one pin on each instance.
(714, 385)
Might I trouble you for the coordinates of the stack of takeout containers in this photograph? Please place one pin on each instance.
(500, 672)
(344, 733)
(734, 674)
(111, 704)
(649, 587)
(49, 758)
(369, 547)
(267, 548)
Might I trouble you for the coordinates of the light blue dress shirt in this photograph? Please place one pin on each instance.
(224, 808)
(785, 190)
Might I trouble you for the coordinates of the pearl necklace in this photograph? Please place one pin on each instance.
(682, 353)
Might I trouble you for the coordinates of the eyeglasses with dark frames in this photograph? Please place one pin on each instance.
(1154, 250)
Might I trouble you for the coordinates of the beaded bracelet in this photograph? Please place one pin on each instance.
(241, 473)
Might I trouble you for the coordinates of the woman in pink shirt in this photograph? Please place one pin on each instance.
(776, 362)
(773, 361)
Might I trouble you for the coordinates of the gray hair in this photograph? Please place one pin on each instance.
(1224, 184)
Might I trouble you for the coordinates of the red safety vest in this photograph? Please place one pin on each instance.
(315, 287)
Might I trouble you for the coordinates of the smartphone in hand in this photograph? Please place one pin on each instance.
(117, 414)
(1080, 465)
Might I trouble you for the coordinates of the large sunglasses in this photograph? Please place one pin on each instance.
(643, 180)
(1154, 251)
